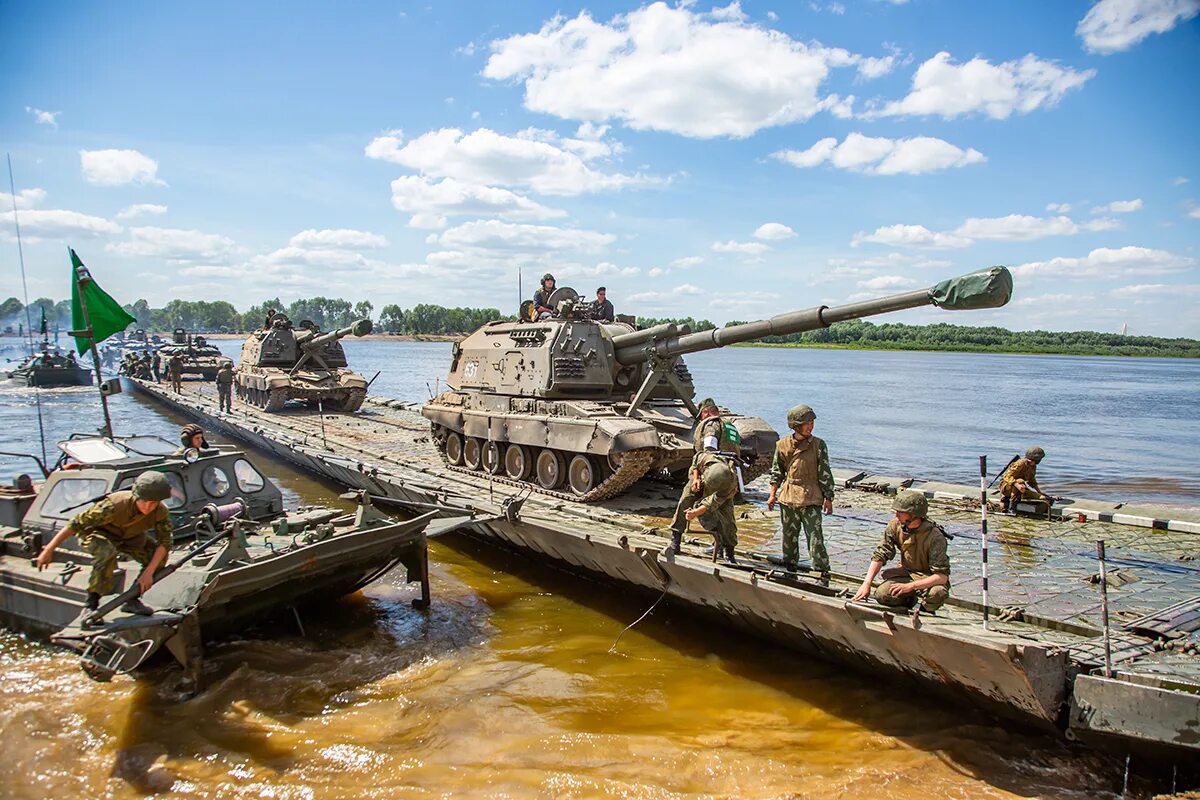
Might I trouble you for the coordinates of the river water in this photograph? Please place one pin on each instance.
(507, 686)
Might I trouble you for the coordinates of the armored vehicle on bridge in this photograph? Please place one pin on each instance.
(283, 362)
(196, 355)
(583, 408)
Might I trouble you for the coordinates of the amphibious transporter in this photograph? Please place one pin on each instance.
(241, 557)
(282, 363)
(51, 367)
(590, 407)
(1038, 658)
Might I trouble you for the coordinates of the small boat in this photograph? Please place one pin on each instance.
(51, 367)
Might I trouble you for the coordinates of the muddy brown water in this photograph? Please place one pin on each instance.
(507, 687)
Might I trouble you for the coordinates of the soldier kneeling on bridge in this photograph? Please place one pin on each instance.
(924, 571)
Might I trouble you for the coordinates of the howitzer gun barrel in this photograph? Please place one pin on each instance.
(360, 328)
(663, 331)
(987, 289)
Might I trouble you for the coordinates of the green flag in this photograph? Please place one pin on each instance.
(45, 333)
(105, 314)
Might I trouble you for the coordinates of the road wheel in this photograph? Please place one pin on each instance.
(274, 400)
(517, 462)
(550, 468)
(472, 452)
(582, 475)
(454, 449)
(493, 460)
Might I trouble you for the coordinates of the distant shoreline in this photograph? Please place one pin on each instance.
(964, 349)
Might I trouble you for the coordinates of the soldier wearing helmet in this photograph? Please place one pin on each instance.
(541, 298)
(191, 437)
(924, 572)
(1019, 481)
(118, 526)
(709, 495)
(710, 432)
(802, 484)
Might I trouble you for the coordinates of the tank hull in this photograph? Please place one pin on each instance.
(270, 389)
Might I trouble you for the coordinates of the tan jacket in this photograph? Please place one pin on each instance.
(921, 551)
(799, 484)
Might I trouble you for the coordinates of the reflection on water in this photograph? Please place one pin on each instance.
(506, 687)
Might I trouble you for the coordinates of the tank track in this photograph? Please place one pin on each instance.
(759, 467)
(634, 465)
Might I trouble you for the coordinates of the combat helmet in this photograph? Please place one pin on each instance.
(1035, 454)
(705, 405)
(547, 277)
(798, 415)
(188, 431)
(151, 485)
(911, 502)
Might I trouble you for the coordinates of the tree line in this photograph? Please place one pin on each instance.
(220, 316)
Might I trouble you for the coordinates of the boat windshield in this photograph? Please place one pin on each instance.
(99, 450)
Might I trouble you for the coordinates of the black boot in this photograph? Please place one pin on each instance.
(136, 606)
(730, 554)
(676, 543)
(92, 602)
(824, 579)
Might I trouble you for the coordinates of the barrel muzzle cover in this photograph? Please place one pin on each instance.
(990, 288)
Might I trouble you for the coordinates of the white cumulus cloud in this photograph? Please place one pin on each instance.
(44, 117)
(1013, 228)
(57, 223)
(1111, 26)
(772, 231)
(173, 244)
(943, 88)
(882, 282)
(1119, 207)
(675, 293)
(673, 69)
(745, 248)
(535, 158)
(431, 202)
(26, 198)
(877, 155)
(909, 236)
(338, 239)
(1194, 213)
(1107, 262)
(118, 168)
(141, 210)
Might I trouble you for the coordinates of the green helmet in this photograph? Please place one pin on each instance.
(705, 405)
(1035, 454)
(911, 502)
(151, 486)
(798, 415)
(547, 277)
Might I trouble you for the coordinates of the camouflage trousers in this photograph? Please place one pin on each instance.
(806, 519)
(225, 397)
(718, 521)
(932, 598)
(105, 553)
(175, 384)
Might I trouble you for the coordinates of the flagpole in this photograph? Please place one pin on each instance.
(91, 337)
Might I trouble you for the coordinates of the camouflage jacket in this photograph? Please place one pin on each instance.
(802, 470)
(116, 517)
(1023, 469)
(224, 376)
(922, 550)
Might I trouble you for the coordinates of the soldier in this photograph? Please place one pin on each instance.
(541, 298)
(801, 466)
(602, 309)
(192, 437)
(175, 369)
(924, 571)
(710, 433)
(224, 381)
(709, 494)
(270, 319)
(116, 526)
(1019, 481)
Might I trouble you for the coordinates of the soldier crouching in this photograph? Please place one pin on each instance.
(708, 495)
(924, 572)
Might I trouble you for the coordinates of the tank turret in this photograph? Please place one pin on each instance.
(197, 358)
(584, 408)
(286, 362)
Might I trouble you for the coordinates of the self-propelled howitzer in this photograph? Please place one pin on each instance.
(585, 408)
(284, 363)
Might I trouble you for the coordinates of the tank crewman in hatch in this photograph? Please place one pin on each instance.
(801, 467)
(924, 571)
(602, 309)
(224, 381)
(191, 437)
(117, 526)
(709, 494)
(541, 298)
(1019, 481)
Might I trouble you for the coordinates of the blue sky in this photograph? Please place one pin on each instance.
(727, 162)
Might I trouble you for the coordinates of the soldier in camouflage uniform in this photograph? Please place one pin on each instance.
(1019, 481)
(175, 368)
(709, 495)
(710, 432)
(924, 571)
(801, 466)
(117, 526)
(224, 380)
